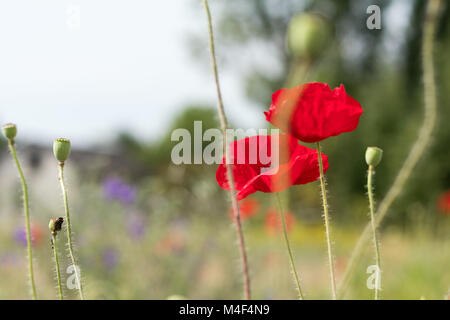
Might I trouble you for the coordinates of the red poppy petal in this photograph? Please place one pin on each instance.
(300, 168)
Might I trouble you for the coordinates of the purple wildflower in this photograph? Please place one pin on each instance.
(21, 235)
(110, 257)
(8, 258)
(116, 189)
(136, 226)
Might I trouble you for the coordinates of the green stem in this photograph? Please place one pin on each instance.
(288, 246)
(58, 273)
(327, 223)
(69, 229)
(27, 216)
(224, 125)
(374, 231)
(417, 150)
(298, 72)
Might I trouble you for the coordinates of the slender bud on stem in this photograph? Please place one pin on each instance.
(55, 226)
(373, 158)
(61, 149)
(10, 132)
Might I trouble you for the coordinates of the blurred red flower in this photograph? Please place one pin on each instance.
(172, 242)
(252, 172)
(443, 203)
(273, 221)
(247, 208)
(312, 112)
(35, 231)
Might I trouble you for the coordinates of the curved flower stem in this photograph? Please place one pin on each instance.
(288, 247)
(327, 222)
(417, 150)
(224, 125)
(27, 216)
(374, 231)
(69, 228)
(58, 273)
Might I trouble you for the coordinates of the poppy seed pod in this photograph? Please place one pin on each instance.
(61, 149)
(373, 156)
(308, 35)
(9, 131)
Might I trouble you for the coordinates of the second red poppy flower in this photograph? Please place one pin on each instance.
(255, 168)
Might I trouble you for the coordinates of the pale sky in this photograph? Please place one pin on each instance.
(85, 69)
(126, 65)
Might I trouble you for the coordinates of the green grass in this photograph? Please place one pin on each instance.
(196, 257)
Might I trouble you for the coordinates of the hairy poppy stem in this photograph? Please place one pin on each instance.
(27, 216)
(370, 174)
(224, 125)
(69, 228)
(417, 150)
(327, 223)
(58, 273)
(288, 247)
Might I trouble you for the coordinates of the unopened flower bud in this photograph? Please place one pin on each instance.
(373, 156)
(55, 225)
(61, 149)
(9, 131)
(308, 35)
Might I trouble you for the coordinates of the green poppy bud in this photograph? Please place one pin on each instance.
(373, 156)
(61, 149)
(9, 131)
(308, 35)
(55, 225)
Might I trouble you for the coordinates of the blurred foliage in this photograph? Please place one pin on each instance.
(149, 159)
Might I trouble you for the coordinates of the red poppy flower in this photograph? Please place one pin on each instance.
(443, 203)
(312, 112)
(255, 168)
(273, 222)
(247, 208)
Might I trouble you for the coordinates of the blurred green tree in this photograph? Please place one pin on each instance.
(156, 156)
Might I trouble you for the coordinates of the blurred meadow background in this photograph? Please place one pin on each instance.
(117, 77)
